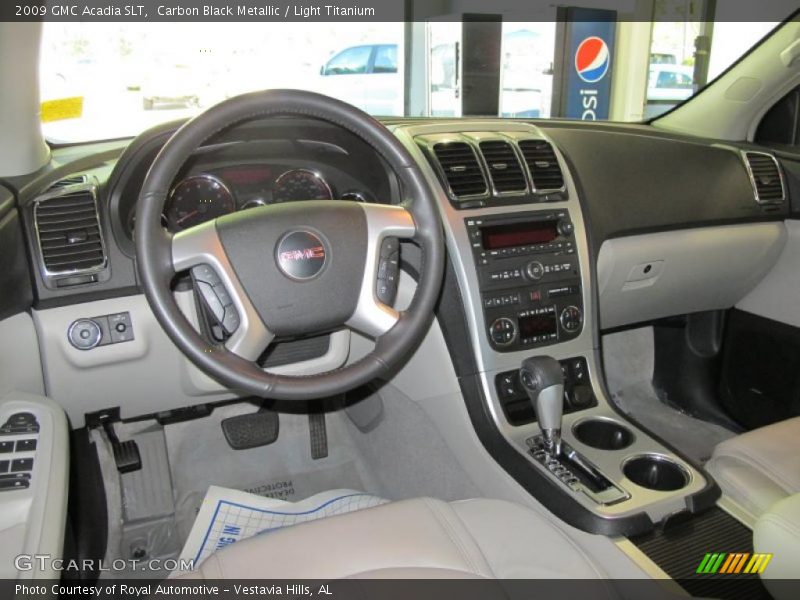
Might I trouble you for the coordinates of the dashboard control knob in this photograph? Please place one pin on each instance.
(571, 319)
(84, 334)
(503, 331)
(565, 227)
(535, 270)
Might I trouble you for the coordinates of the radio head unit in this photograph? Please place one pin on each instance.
(529, 278)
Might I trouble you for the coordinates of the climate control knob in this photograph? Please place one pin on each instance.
(571, 319)
(503, 331)
(535, 270)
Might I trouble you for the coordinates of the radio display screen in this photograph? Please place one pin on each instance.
(496, 237)
(537, 325)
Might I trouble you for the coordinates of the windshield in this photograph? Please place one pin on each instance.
(111, 80)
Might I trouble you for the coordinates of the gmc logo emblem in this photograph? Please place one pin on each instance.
(306, 254)
(301, 255)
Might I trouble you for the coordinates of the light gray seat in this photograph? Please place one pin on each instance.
(421, 538)
(758, 468)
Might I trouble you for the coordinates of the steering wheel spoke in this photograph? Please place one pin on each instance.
(372, 315)
(200, 250)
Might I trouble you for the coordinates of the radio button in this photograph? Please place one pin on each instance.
(565, 228)
(535, 270)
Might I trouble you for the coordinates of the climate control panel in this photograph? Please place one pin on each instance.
(529, 278)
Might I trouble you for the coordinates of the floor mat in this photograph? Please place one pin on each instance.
(628, 360)
(200, 457)
(682, 548)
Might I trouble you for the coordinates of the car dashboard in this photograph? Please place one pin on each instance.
(555, 231)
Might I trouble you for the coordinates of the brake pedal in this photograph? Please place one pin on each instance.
(126, 454)
(318, 433)
(251, 430)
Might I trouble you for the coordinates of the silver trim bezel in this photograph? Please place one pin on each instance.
(752, 178)
(69, 190)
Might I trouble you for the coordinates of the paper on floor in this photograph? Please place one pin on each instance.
(228, 516)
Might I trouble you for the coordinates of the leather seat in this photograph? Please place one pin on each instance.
(421, 538)
(758, 468)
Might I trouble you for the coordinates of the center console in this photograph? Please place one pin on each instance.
(519, 249)
(529, 278)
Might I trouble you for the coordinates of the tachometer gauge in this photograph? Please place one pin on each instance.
(197, 199)
(300, 184)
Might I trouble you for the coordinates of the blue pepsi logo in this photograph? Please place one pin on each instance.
(592, 59)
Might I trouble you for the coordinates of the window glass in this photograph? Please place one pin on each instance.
(385, 60)
(349, 62)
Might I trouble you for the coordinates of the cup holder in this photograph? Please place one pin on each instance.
(603, 434)
(656, 472)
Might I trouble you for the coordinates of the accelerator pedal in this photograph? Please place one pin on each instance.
(318, 433)
(251, 430)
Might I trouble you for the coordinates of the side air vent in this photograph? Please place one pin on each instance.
(543, 165)
(505, 169)
(67, 181)
(765, 175)
(461, 169)
(68, 231)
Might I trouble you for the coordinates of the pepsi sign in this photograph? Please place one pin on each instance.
(592, 59)
(587, 64)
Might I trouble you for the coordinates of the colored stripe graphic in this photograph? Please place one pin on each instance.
(733, 563)
(758, 563)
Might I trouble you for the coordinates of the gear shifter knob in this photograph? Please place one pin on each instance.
(543, 380)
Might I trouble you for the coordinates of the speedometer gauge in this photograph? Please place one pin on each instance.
(196, 200)
(300, 184)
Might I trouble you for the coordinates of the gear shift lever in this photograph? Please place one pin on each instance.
(543, 380)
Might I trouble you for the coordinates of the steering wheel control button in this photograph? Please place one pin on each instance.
(85, 334)
(216, 297)
(388, 271)
(6, 447)
(503, 331)
(301, 255)
(571, 319)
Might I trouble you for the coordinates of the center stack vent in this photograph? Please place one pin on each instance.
(542, 165)
(461, 169)
(505, 169)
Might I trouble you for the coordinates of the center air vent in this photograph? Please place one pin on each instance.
(505, 170)
(765, 176)
(69, 234)
(543, 165)
(461, 169)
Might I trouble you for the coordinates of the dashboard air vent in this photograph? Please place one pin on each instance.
(542, 164)
(67, 181)
(461, 169)
(765, 175)
(505, 170)
(68, 230)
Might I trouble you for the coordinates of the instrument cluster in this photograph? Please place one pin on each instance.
(200, 197)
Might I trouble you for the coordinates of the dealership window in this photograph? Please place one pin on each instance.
(106, 80)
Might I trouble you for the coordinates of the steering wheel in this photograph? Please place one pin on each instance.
(290, 269)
